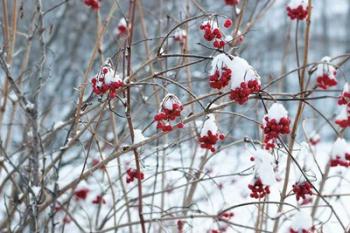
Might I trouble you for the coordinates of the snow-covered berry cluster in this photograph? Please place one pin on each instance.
(122, 28)
(340, 155)
(244, 79)
(213, 33)
(264, 175)
(297, 9)
(220, 78)
(93, 4)
(315, 139)
(209, 135)
(343, 118)
(344, 98)
(303, 190)
(180, 36)
(133, 174)
(106, 81)
(301, 223)
(232, 2)
(170, 110)
(275, 123)
(326, 74)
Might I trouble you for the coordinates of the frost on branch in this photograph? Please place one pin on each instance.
(297, 9)
(209, 134)
(340, 154)
(326, 74)
(264, 175)
(106, 81)
(170, 110)
(301, 223)
(275, 123)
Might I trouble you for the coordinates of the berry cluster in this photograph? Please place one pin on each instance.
(180, 36)
(343, 119)
(326, 74)
(225, 216)
(302, 190)
(107, 80)
(209, 134)
(291, 230)
(220, 79)
(170, 110)
(232, 2)
(338, 161)
(314, 140)
(212, 32)
(297, 12)
(272, 129)
(99, 200)
(258, 189)
(133, 174)
(208, 141)
(122, 27)
(240, 94)
(344, 98)
(324, 81)
(340, 154)
(221, 229)
(97, 161)
(93, 4)
(180, 226)
(81, 194)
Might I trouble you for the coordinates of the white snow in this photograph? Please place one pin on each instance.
(122, 22)
(295, 3)
(264, 166)
(138, 136)
(241, 70)
(346, 88)
(277, 111)
(169, 100)
(180, 33)
(325, 67)
(343, 114)
(209, 124)
(301, 220)
(340, 148)
(58, 125)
